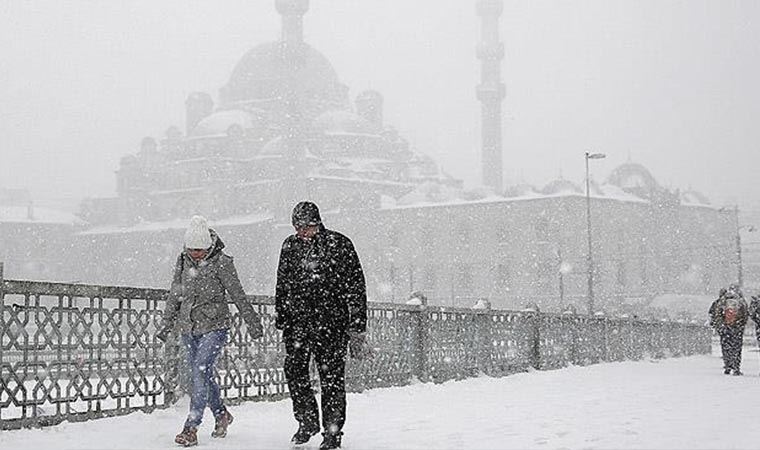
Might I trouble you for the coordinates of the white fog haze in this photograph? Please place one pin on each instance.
(668, 84)
(379, 224)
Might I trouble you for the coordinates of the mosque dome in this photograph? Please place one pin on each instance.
(267, 71)
(632, 176)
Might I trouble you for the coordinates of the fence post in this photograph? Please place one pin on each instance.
(574, 340)
(484, 339)
(535, 340)
(2, 310)
(421, 342)
(2, 328)
(173, 375)
(605, 340)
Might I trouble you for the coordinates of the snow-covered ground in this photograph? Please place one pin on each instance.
(670, 404)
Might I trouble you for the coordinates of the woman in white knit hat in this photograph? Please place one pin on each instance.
(197, 309)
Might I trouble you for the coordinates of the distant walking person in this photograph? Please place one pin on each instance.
(728, 315)
(197, 306)
(321, 306)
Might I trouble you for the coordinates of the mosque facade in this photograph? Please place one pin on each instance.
(283, 129)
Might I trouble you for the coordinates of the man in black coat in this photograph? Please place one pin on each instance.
(321, 304)
(728, 315)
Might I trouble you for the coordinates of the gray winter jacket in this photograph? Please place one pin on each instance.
(197, 304)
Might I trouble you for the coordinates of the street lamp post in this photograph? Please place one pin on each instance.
(739, 269)
(589, 258)
(738, 243)
(561, 277)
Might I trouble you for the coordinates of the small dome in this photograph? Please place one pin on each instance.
(275, 147)
(129, 161)
(520, 190)
(340, 121)
(221, 121)
(429, 192)
(694, 198)
(148, 144)
(561, 185)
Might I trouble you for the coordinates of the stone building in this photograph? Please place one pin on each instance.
(283, 129)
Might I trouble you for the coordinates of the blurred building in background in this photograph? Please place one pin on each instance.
(36, 242)
(283, 129)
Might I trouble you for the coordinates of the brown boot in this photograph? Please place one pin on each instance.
(222, 422)
(188, 437)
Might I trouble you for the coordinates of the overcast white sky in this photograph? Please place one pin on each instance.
(673, 85)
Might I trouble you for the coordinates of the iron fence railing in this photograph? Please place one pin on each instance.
(78, 352)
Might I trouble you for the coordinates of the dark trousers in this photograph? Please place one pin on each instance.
(202, 351)
(329, 351)
(731, 341)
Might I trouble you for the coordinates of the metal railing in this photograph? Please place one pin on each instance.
(77, 352)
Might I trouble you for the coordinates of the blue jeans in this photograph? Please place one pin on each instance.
(202, 351)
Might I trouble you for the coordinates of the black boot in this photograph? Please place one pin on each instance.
(304, 433)
(330, 441)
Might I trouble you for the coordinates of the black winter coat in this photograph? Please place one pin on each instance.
(320, 285)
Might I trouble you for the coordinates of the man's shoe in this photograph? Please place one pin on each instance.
(726, 371)
(188, 437)
(304, 433)
(738, 373)
(222, 422)
(330, 441)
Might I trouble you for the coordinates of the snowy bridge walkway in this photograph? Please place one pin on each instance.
(672, 403)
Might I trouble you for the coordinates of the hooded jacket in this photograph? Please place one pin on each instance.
(320, 285)
(197, 302)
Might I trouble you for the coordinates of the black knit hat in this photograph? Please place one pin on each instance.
(306, 214)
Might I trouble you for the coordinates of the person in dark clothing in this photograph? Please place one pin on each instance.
(728, 315)
(321, 305)
(197, 308)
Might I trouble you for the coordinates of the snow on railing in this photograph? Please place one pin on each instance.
(79, 352)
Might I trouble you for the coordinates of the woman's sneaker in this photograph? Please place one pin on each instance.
(188, 437)
(222, 422)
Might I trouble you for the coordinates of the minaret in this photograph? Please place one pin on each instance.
(292, 12)
(491, 91)
(292, 51)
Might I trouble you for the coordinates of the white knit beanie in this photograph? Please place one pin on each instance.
(197, 234)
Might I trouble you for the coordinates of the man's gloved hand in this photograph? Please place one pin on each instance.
(255, 329)
(357, 345)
